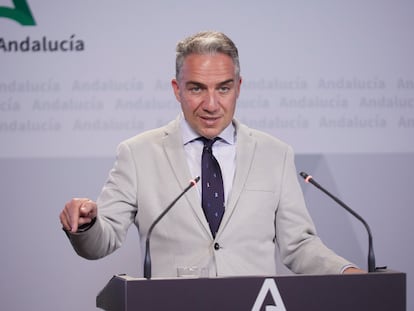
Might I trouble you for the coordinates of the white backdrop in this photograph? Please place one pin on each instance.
(333, 78)
(314, 72)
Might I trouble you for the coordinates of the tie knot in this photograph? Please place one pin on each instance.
(208, 143)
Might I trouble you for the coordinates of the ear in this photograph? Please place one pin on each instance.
(239, 86)
(176, 88)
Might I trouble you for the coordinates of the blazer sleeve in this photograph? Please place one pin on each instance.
(300, 248)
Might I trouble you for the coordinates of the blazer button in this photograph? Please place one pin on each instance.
(216, 246)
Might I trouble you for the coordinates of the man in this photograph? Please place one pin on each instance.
(263, 203)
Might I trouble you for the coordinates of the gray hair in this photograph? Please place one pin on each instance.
(206, 42)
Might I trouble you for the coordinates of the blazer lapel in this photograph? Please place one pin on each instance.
(245, 149)
(173, 147)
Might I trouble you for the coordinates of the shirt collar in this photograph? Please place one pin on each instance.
(228, 135)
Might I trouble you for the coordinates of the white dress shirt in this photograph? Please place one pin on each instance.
(224, 150)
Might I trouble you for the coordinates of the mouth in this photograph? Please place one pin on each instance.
(209, 120)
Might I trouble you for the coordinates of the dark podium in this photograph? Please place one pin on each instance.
(377, 291)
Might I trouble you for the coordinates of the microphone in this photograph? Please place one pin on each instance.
(371, 256)
(147, 260)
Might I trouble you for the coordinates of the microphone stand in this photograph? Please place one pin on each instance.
(147, 259)
(371, 256)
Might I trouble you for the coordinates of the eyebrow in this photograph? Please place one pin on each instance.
(202, 84)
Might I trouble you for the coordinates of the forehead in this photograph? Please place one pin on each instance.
(200, 67)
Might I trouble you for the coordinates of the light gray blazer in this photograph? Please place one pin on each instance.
(265, 210)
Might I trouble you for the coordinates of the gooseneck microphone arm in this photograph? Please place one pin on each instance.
(147, 259)
(371, 256)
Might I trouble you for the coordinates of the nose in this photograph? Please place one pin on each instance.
(211, 101)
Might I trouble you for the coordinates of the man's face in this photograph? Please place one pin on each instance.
(207, 89)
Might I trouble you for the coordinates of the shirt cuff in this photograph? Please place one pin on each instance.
(348, 266)
(82, 228)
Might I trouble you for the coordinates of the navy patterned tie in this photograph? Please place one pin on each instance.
(212, 186)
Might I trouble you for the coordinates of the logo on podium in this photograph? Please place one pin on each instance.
(269, 288)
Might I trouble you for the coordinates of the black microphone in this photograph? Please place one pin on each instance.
(147, 260)
(371, 256)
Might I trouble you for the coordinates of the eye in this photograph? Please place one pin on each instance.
(195, 89)
(224, 89)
